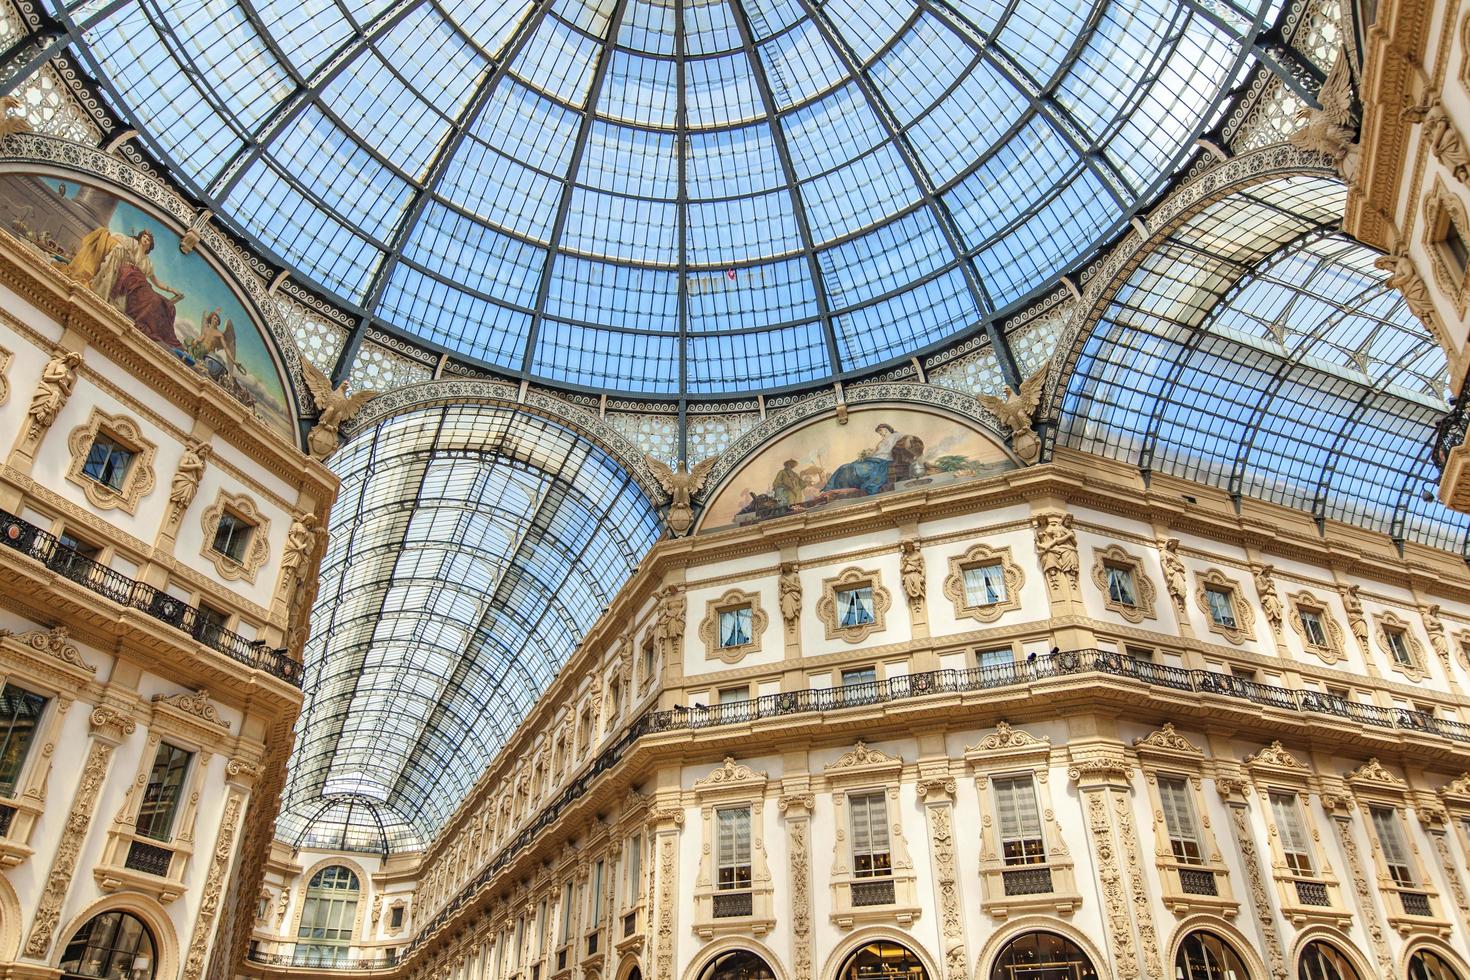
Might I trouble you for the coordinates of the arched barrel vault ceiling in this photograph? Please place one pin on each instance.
(472, 546)
(1257, 349)
(697, 197)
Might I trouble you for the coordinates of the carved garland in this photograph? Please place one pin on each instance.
(709, 627)
(977, 557)
(257, 550)
(1113, 556)
(1245, 617)
(137, 481)
(828, 613)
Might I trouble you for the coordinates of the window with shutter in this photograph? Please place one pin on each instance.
(1018, 820)
(1179, 819)
(733, 845)
(871, 856)
(1391, 840)
(1289, 830)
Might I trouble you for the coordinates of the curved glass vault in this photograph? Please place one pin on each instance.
(660, 197)
(472, 546)
(1258, 350)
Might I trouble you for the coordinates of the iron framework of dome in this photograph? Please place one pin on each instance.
(689, 198)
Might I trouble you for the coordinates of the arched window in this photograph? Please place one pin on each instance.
(883, 961)
(1425, 965)
(113, 946)
(738, 964)
(327, 917)
(1323, 962)
(1205, 956)
(1042, 956)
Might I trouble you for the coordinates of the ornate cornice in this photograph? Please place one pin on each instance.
(197, 705)
(54, 642)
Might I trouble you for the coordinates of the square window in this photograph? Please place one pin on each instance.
(1222, 606)
(232, 537)
(985, 585)
(731, 695)
(859, 675)
(997, 659)
(735, 627)
(1312, 627)
(107, 462)
(1121, 587)
(1398, 646)
(855, 607)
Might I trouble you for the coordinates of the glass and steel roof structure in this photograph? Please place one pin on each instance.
(471, 548)
(1258, 350)
(671, 197)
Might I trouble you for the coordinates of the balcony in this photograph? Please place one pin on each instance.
(1027, 881)
(1313, 893)
(1193, 881)
(46, 548)
(732, 904)
(314, 958)
(1451, 455)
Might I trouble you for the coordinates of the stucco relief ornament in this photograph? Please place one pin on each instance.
(790, 597)
(1270, 599)
(911, 572)
(1014, 409)
(335, 406)
(1406, 279)
(196, 704)
(1357, 621)
(56, 642)
(1176, 576)
(669, 629)
(1440, 133)
(58, 378)
(1332, 130)
(185, 485)
(301, 546)
(1434, 626)
(1056, 545)
(681, 485)
(1006, 737)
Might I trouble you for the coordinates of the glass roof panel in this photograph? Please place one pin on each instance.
(471, 548)
(1275, 364)
(402, 156)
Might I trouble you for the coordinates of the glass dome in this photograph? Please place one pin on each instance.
(694, 197)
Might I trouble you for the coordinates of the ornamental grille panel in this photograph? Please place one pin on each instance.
(630, 924)
(734, 904)
(148, 858)
(7, 814)
(1027, 881)
(1415, 903)
(1312, 893)
(872, 893)
(1192, 881)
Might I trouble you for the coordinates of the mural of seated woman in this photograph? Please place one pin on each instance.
(876, 470)
(117, 268)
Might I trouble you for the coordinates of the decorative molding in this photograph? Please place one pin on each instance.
(55, 642)
(730, 773)
(978, 556)
(1113, 556)
(1372, 773)
(1332, 651)
(257, 549)
(1168, 740)
(863, 760)
(1276, 756)
(138, 480)
(1007, 738)
(1245, 617)
(1444, 211)
(1260, 898)
(214, 881)
(709, 627)
(853, 578)
(1386, 622)
(1363, 887)
(798, 847)
(196, 704)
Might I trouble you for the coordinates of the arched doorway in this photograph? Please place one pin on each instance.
(736, 964)
(1320, 961)
(328, 917)
(111, 946)
(883, 960)
(1428, 965)
(1042, 956)
(1205, 956)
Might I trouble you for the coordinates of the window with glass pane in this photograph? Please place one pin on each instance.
(165, 787)
(732, 695)
(1398, 647)
(1120, 585)
(566, 913)
(596, 896)
(1018, 820)
(732, 831)
(1286, 812)
(870, 849)
(1222, 607)
(735, 627)
(111, 946)
(854, 606)
(859, 675)
(635, 867)
(20, 716)
(395, 917)
(107, 462)
(985, 584)
(1312, 627)
(1390, 831)
(328, 915)
(997, 658)
(1179, 819)
(232, 536)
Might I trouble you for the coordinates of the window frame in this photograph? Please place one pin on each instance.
(1167, 755)
(732, 601)
(138, 478)
(257, 549)
(1388, 628)
(827, 608)
(1215, 582)
(1114, 558)
(1013, 579)
(1333, 649)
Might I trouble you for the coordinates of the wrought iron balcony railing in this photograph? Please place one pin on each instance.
(1450, 430)
(43, 546)
(1069, 663)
